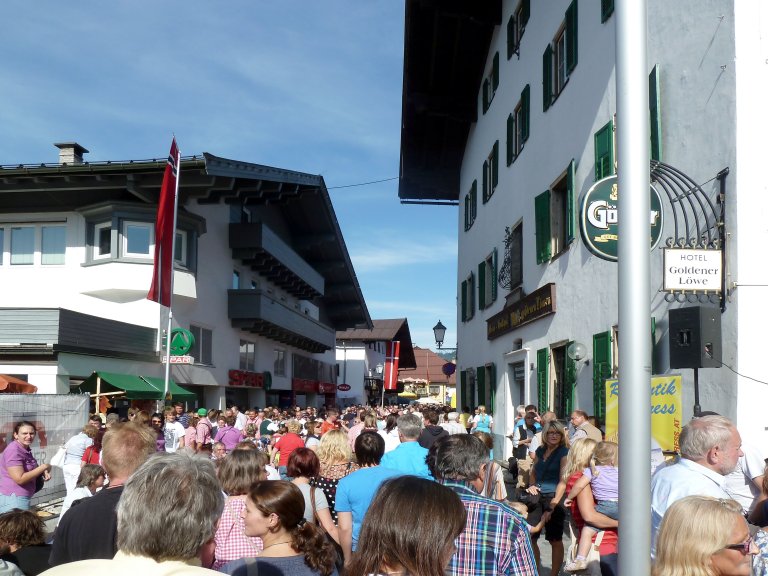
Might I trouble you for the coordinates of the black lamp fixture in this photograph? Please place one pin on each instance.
(439, 331)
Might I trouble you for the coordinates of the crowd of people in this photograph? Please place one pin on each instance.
(402, 490)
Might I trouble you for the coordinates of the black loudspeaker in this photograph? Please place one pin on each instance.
(695, 339)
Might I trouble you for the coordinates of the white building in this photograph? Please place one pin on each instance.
(509, 112)
(360, 353)
(262, 279)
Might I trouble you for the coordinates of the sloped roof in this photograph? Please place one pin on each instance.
(384, 331)
(429, 366)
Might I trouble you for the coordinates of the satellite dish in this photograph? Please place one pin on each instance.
(576, 351)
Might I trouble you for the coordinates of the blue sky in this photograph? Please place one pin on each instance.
(306, 85)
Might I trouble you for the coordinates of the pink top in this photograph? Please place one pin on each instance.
(189, 436)
(231, 541)
(204, 431)
(229, 436)
(16, 455)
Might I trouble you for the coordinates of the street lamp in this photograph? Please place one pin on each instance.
(380, 372)
(439, 331)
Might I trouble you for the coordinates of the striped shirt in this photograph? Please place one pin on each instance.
(495, 540)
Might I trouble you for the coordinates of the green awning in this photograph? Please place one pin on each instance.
(135, 387)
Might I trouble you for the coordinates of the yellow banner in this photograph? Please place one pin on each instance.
(666, 410)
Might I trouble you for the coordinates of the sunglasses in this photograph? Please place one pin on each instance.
(743, 547)
(156, 422)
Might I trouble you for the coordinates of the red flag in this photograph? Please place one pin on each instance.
(165, 233)
(391, 365)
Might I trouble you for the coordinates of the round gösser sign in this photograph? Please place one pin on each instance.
(599, 219)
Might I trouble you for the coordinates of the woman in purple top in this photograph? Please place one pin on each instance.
(19, 469)
(227, 434)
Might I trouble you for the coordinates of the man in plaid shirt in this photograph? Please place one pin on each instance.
(496, 539)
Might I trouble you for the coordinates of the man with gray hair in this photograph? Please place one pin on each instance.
(710, 447)
(409, 457)
(452, 426)
(495, 540)
(153, 538)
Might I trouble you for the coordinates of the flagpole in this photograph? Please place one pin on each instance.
(173, 255)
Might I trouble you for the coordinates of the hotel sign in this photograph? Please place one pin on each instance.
(692, 269)
(536, 305)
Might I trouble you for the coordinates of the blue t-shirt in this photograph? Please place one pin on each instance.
(408, 458)
(356, 491)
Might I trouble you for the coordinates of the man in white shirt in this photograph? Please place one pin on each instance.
(240, 418)
(710, 448)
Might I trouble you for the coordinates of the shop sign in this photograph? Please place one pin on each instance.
(302, 385)
(599, 219)
(181, 342)
(179, 359)
(536, 305)
(688, 269)
(343, 387)
(245, 378)
(329, 387)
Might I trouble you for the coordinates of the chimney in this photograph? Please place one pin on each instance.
(70, 152)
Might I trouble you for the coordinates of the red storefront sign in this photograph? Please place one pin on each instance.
(245, 378)
(344, 387)
(328, 387)
(302, 385)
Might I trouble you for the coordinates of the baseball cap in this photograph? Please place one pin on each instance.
(202, 412)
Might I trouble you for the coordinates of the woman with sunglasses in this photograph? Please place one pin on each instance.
(704, 536)
(156, 421)
(548, 466)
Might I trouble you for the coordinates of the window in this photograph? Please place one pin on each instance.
(470, 206)
(516, 27)
(102, 240)
(138, 239)
(491, 173)
(555, 217)
(235, 280)
(247, 355)
(606, 9)
(203, 347)
(2, 245)
(468, 298)
(518, 125)
(22, 245)
(180, 247)
(511, 273)
(487, 279)
(280, 363)
(654, 104)
(560, 57)
(491, 83)
(53, 245)
(604, 152)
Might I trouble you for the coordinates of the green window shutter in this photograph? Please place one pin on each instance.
(464, 402)
(481, 284)
(525, 13)
(525, 105)
(485, 95)
(654, 104)
(542, 378)
(492, 389)
(466, 212)
(543, 233)
(495, 275)
(570, 209)
(571, 37)
(481, 386)
(510, 37)
(510, 138)
(606, 9)
(486, 194)
(547, 76)
(473, 201)
(464, 301)
(570, 384)
(495, 71)
(601, 371)
(495, 171)
(604, 151)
